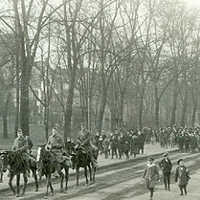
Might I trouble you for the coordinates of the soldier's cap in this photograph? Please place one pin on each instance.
(179, 161)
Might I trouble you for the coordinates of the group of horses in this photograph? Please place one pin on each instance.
(14, 162)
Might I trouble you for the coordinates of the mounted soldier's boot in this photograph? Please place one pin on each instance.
(27, 168)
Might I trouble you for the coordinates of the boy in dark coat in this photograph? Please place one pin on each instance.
(182, 176)
(166, 167)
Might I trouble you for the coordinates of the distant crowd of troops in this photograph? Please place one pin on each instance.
(126, 143)
(121, 143)
(186, 139)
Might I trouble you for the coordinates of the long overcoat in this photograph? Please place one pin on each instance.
(182, 175)
(151, 175)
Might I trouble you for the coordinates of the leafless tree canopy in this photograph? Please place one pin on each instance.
(103, 63)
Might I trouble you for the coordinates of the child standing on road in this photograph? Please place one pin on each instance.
(182, 176)
(151, 176)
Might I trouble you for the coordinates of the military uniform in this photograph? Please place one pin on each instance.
(55, 144)
(20, 144)
(84, 141)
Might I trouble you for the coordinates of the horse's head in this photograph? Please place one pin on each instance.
(5, 157)
(43, 154)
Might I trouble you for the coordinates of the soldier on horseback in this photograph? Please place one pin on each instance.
(84, 141)
(21, 145)
(55, 144)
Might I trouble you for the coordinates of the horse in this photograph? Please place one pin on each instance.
(81, 158)
(15, 162)
(48, 165)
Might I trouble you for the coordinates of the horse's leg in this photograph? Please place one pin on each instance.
(112, 153)
(77, 176)
(85, 171)
(25, 182)
(142, 149)
(61, 178)
(48, 180)
(94, 172)
(90, 172)
(10, 183)
(66, 177)
(36, 179)
(18, 185)
(50, 184)
(127, 155)
(120, 154)
(116, 153)
(1, 177)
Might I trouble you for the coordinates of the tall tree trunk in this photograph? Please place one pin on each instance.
(46, 121)
(82, 102)
(17, 116)
(5, 116)
(157, 107)
(194, 111)
(121, 110)
(185, 105)
(101, 110)
(141, 106)
(69, 104)
(17, 67)
(113, 119)
(24, 103)
(174, 102)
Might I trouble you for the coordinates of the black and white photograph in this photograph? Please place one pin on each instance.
(99, 99)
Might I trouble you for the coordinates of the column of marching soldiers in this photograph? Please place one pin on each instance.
(121, 143)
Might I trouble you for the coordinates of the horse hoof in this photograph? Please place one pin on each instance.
(36, 190)
(17, 195)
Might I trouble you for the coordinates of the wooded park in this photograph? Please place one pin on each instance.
(103, 63)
